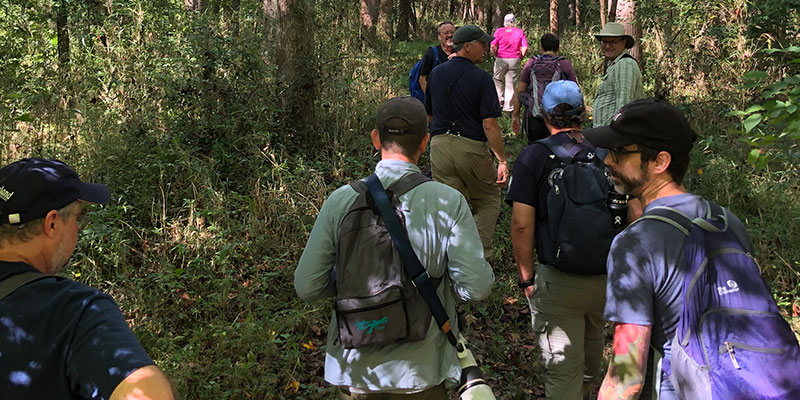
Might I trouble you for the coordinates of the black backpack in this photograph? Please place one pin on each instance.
(376, 302)
(577, 232)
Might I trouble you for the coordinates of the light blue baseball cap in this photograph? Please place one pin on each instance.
(562, 92)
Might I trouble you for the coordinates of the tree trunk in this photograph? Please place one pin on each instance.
(564, 13)
(235, 7)
(292, 35)
(612, 11)
(404, 20)
(369, 19)
(626, 15)
(62, 35)
(577, 13)
(602, 13)
(194, 5)
(386, 18)
(554, 16)
(497, 17)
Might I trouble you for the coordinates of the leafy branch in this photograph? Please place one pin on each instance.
(775, 120)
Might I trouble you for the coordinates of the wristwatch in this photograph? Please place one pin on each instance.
(527, 283)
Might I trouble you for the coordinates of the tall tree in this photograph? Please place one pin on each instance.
(292, 22)
(577, 12)
(404, 20)
(497, 15)
(62, 34)
(386, 18)
(369, 19)
(554, 16)
(602, 13)
(626, 15)
(612, 11)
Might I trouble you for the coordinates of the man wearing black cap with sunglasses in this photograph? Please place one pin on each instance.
(59, 339)
(462, 109)
(649, 142)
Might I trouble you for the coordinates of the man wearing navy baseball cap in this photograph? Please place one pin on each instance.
(59, 339)
(649, 142)
(566, 306)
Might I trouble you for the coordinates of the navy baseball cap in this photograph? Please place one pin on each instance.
(562, 92)
(649, 122)
(32, 187)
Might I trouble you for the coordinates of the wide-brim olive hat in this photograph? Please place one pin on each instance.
(613, 29)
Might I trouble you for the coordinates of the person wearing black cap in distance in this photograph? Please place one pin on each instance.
(442, 234)
(649, 142)
(60, 339)
(462, 107)
(566, 308)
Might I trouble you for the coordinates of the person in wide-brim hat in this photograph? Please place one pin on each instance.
(613, 29)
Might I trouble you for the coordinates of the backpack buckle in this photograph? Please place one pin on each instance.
(422, 278)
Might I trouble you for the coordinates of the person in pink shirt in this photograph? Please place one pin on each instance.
(508, 47)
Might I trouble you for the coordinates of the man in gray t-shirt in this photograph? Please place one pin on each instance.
(643, 293)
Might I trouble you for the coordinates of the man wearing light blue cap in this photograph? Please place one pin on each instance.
(566, 307)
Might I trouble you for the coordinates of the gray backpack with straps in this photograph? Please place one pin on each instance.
(376, 303)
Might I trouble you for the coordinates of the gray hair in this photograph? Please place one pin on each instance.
(23, 233)
(508, 20)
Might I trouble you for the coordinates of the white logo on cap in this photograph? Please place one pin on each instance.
(5, 194)
(616, 116)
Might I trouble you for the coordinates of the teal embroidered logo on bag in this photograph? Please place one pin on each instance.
(372, 325)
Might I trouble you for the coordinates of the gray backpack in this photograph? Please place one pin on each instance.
(376, 302)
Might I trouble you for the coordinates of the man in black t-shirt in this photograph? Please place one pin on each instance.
(60, 339)
(566, 309)
(445, 32)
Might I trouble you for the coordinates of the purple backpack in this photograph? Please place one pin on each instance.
(545, 69)
(730, 342)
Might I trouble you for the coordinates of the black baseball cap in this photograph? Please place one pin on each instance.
(652, 123)
(402, 115)
(32, 187)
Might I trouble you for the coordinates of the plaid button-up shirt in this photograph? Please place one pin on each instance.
(622, 83)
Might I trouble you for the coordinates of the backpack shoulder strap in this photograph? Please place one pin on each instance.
(9, 285)
(419, 276)
(435, 55)
(669, 215)
(407, 182)
(627, 55)
(556, 145)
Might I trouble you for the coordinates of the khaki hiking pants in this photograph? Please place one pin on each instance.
(567, 318)
(466, 165)
(506, 74)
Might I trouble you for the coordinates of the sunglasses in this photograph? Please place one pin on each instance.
(620, 151)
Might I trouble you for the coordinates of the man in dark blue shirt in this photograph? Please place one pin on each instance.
(462, 106)
(60, 339)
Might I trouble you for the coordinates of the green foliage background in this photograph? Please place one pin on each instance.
(215, 189)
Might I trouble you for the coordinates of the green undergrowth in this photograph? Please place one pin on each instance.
(212, 202)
